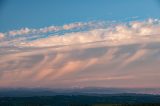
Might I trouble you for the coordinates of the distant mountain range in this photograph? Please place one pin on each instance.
(23, 92)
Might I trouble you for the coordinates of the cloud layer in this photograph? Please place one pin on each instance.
(115, 55)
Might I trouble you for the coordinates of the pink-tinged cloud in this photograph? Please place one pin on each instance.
(121, 55)
(1, 35)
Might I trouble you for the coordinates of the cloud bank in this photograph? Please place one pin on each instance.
(84, 55)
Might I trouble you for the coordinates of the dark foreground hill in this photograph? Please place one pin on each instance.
(83, 100)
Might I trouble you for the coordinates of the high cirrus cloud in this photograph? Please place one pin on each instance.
(115, 55)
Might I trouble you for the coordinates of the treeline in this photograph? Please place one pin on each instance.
(27, 104)
(82, 100)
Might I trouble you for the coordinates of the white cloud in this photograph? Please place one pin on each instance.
(134, 32)
(22, 31)
(109, 34)
(77, 25)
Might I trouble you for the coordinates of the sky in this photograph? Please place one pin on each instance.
(79, 43)
(16, 14)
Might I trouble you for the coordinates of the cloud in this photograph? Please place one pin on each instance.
(109, 34)
(119, 55)
(138, 55)
(49, 29)
(22, 31)
(1, 35)
(67, 66)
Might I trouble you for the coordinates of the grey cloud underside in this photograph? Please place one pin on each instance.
(135, 65)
